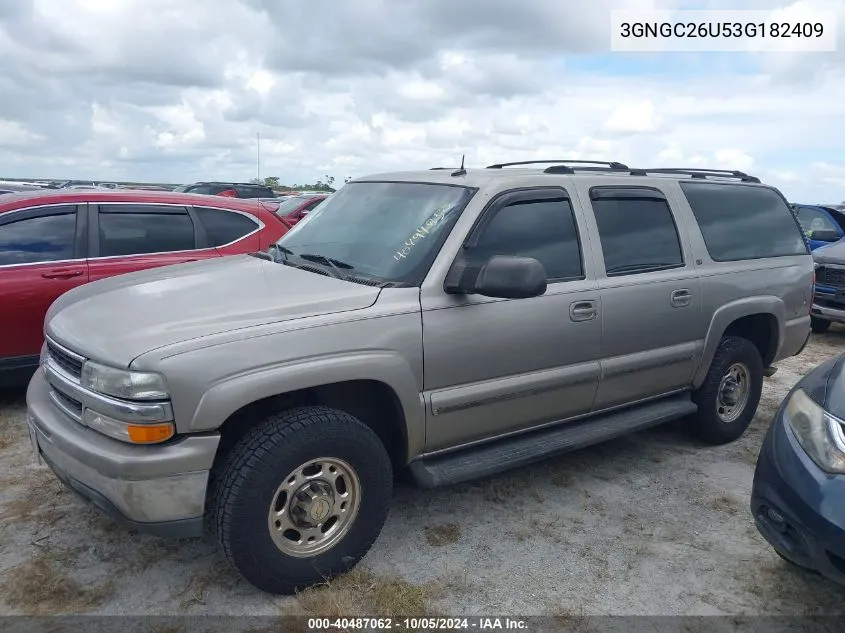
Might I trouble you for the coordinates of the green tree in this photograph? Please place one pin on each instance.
(272, 181)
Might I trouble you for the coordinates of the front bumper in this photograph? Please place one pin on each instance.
(826, 305)
(158, 489)
(807, 525)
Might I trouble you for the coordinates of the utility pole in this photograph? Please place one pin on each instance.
(258, 156)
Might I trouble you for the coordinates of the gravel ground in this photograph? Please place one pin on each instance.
(650, 524)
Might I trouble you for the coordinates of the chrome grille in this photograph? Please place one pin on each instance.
(68, 361)
(69, 405)
(830, 276)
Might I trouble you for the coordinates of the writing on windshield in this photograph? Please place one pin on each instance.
(421, 232)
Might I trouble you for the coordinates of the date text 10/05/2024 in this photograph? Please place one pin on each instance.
(417, 624)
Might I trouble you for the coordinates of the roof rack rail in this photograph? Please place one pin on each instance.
(611, 164)
(695, 172)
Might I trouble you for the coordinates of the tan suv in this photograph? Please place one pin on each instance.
(455, 322)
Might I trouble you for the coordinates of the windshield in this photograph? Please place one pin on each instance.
(290, 205)
(391, 231)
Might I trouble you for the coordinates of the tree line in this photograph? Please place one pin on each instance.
(326, 183)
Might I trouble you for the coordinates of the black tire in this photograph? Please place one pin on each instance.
(707, 424)
(819, 326)
(245, 487)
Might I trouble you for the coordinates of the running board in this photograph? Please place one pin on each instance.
(518, 450)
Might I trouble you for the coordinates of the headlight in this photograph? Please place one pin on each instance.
(819, 434)
(127, 432)
(122, 383)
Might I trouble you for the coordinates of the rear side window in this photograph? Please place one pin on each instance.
(254, 192)
(542, 229)
(743, 222)
(137, 230)
(48, 238)
(207, 190)
(224, 227)
(637, 231)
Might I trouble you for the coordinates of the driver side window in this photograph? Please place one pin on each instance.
(542, 229)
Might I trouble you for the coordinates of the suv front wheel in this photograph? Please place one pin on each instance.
(301, 498)
(727, 399)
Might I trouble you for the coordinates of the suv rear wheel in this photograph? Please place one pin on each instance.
(301, 498)
(727, 399)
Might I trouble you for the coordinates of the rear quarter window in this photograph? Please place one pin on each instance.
(740, 222)
(225, 227)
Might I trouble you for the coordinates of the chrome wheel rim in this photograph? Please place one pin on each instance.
(733, 393)
(314, 507)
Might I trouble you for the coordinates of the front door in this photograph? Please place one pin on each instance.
(495, 366)
(42, 256)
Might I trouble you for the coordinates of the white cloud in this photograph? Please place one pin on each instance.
(636, 117)
(154, 90)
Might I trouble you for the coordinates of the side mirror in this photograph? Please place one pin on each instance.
(502, 277)
(824, 235)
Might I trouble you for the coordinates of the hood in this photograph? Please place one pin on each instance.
(831, 253)
(115, 320)
(834, 397)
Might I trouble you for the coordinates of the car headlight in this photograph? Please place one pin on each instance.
(123, 383)
(819, 434)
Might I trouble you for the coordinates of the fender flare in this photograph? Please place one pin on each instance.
(232, 393)
(730, 312)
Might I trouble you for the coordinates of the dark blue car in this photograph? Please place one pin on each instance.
(821, 224)
(798, 496)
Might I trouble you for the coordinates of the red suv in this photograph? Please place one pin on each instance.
(54, 240)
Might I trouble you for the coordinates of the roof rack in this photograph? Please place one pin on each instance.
(611, 165)
(694, 172)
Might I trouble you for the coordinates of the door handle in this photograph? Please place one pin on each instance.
(61, 274)
(681, 297)
(583, 310)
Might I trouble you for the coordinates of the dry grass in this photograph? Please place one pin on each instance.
(362, 593)
(198, 588)
(40, 586)
(442, 534)
(726, 504)
(38, 501)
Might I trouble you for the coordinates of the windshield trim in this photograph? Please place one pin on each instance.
(418, 275)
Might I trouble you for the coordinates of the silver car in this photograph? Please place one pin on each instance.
(454, 323)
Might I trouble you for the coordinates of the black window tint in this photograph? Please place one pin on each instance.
(44, 239)
(637, 234)
(544, 230)
(224, 227)
(253, 192)
(124, 232)
(744, 222)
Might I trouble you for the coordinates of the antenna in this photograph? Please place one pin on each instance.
(461, 171)
(258, 157)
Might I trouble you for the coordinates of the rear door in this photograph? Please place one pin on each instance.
(651, 323)
(126, 237)
(42, 256)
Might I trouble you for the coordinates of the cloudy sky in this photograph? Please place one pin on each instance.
(177, 91)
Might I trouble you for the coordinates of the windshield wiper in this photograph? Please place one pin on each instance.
(334, 264)
(285, 252)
